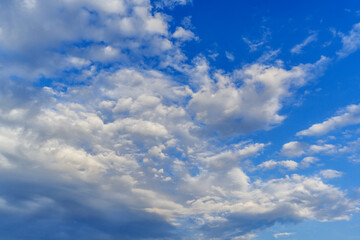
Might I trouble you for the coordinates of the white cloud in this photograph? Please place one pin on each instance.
(330, 173)
(229, 56)
(171, 3)
(124, 26)
(294, 149)
(350, 42)
(284, 234)
(228, 108)
(253, 45)
(307, 161)
(297, 149)
(131, 143)
(184, 35)
(231, 157)
(348, 116)
(248, 236)
(297, 49)
(78, 62)
(322, 148)
(288, 164)
(352, 146)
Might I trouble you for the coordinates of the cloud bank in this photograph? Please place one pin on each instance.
(98, 139)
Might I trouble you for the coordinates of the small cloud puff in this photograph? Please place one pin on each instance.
(285, 234)
(330, 173)
(184, 35)
(288, 164)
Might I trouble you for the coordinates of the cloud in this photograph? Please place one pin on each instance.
(229, 56)
(297, 49)
(86, 146)
(350, 42)
(297, 149)
(184, 35)
(329, 173)
(245, 237)
(288, 164)
(348, 116)
(255, 44)
(352, 146)
(171, 3)
(99, 142)
(83, 29)
(280, 235)
(307, 161)
(294, 149)
(230, 158)
(227, 107)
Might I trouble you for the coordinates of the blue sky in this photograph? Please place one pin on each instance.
(179, 119)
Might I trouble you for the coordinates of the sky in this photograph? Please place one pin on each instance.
(179, 119)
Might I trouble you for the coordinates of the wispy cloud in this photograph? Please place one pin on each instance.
(350, 41)
(229, 56)
(285, 234)
(297, 49)
(348, 116)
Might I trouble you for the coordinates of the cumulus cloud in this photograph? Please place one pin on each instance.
(294, 149)
(230, 157)
(288, 164)
(253, 104)
(91, 145)
(127, 151)
(330, 173)
(307, 161)
(348, 116)
(297, 149)
(184, 35)
(87, 30)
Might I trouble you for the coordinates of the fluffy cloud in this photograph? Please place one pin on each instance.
(184, 35)
(288, 164)
(297, 149)
(128, 152)
(250, 99)
(294, 149)
(230, 157)
(85, 29)
(348, 116)
(91, 144)
(307, 161)
(330, 173)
